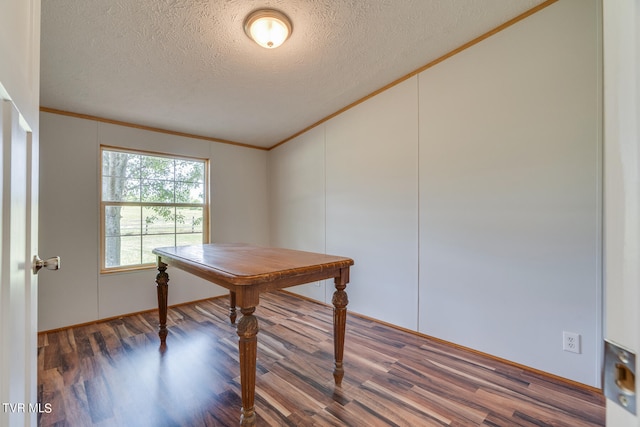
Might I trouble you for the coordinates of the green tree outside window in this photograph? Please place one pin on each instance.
(149, 201)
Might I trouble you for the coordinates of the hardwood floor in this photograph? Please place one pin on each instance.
(112, 374)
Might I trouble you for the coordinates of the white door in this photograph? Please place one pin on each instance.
(621, 36)
(19, 102)
(18, 289)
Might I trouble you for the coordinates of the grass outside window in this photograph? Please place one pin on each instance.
(149, 200)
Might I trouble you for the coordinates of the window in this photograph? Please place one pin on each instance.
(149, 200)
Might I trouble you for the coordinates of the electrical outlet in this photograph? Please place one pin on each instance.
(571, 342)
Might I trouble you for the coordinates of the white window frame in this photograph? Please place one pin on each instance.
(104, 204)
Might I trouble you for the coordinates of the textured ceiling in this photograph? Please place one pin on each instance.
(187, 66)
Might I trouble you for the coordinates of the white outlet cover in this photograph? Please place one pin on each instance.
(571, 342)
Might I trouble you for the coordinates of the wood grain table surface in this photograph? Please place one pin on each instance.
(246, 271)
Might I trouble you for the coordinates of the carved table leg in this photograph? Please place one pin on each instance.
(162, 280)
(248, 343)
(232, 307)
(340, 302)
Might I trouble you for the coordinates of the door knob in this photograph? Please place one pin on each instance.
(52, 263)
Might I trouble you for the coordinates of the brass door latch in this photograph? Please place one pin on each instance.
(620, 375)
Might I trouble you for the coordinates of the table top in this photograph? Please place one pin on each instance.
(241, 264)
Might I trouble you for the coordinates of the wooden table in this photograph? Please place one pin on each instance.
(246, 271)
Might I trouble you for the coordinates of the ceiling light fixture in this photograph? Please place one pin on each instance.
(268, 27)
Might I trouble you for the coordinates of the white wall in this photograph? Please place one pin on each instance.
(69, 206)
(20, 60)
(360, 199)
(469, 195)
(509, 190)
(372, 202)
(297, 201)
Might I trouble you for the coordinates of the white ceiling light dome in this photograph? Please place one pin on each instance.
(268, 27)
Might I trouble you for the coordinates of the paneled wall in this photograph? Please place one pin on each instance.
(468, 195)
(372, 204)
(509, 193)
(297, 197)
(69, 215)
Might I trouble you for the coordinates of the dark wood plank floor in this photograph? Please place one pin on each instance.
(112, 374)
